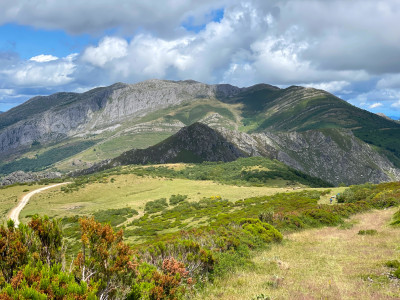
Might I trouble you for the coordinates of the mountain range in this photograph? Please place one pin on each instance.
(308, 129)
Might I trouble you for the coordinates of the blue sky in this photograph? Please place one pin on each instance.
(349, 48)
(28, 42)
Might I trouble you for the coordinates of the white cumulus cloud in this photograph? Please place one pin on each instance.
(330, 45)
(43, 58)
(109, 48)
(332, 86)
(41, 74)
(375, 105)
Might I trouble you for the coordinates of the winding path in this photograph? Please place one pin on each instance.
(14, 214)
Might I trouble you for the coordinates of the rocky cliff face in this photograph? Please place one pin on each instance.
(83, 114)
(334, 155)
(55, 123)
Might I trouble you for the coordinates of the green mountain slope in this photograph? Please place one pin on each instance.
(267, 108)
(297, 109)
(112, 120)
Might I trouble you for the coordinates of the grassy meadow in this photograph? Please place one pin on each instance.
(326, 263)
(134, 191)
(134, 186)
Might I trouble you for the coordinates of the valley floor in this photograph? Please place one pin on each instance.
(327, 263)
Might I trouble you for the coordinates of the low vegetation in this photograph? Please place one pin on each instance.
(172, 246)
(251, 171)
(396, 218)
(367, 232)
(320, 263)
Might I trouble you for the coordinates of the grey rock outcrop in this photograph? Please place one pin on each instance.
(22, 177)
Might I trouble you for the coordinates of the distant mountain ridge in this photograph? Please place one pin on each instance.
(63, 115)
(335, 156)
(106, 122)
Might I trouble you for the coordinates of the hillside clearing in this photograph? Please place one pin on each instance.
(327, 263)
(134, 191)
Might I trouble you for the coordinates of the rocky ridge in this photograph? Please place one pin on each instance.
(84, 114)
(334, 155)
(194, 143)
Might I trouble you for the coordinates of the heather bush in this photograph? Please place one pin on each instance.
(393, 264)
(156, 206)
(175, 199)
(41, 281)
(264, 231)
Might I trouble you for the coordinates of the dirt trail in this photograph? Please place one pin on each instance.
(327, 263)
(14, 213)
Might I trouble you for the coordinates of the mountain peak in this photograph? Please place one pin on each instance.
(195, 143)
(191, 144)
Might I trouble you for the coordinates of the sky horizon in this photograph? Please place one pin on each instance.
(349, 48)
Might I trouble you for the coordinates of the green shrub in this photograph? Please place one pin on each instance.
(396, 218)
(397, 273)
(175, 199)
(356, 193)
(238, 172)
(323, 216)
(39, 281)
(265, 231)
(197, 259)
(267, 216)
(230, 261)
(367, 232)
(393, 264)
(115, 216)
(155, 206)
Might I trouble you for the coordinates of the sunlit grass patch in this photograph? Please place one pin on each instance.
(326, 263)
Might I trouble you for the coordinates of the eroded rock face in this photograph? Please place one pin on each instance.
(342, 159)
(103, 107)
(22, 177)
